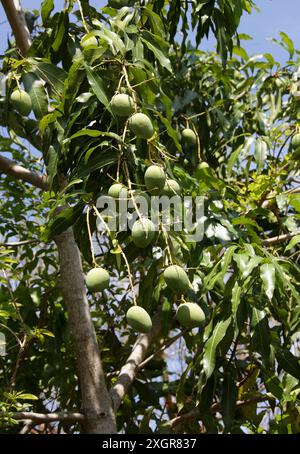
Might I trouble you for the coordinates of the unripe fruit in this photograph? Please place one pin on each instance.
(90, 41)
(139, 319)
(203, 165)
(190, 315)
(142, 232)
(97, 279)
(155, 179)
(296, 141)
(21, 101)
(171, 188)
(189, 137)
(176, 278)
(122, 105)
(118, 191)
(141, 125)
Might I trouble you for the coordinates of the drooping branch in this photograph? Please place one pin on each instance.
(44, 417)
(131, 368)
(9, 167)
(17, 22)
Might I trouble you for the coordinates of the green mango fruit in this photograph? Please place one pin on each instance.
(155, 179)
(171, 188)
(142, 232)
(88, 41)
(97, 279)
(122, 105)
(21, 101)
(118, 191)
(190, 315)
(295, 141)
(139, 319)
(176, 278)
(189, 137)
(141, 125)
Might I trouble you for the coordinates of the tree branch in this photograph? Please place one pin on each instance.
(279, 239)
(131, 368)
(42, 417)
(17, 22)
(195, 413)
(19, 243)
(11, 168)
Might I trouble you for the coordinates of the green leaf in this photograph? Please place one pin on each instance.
(180, 393)
(209, 359)
(97, 86)
(235, 300)
(52, 164)
(261, 336)
(50, 73)
(246, 264)
(60, 32)
(289, 43)
(35, 88)
(213, 276)
(228, 400)
(97, 162)
(287, 361)
(149, 42)
(93, 133)
(267, 274)
(46, 8)
(272, 384)
(62, 221)
(260, 153)
(27, 396)
(295, 240)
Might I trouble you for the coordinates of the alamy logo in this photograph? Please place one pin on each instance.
(179, 214)
(2, 344)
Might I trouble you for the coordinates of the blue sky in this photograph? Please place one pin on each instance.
(275, 16)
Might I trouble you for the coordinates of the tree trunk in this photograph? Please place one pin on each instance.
(96, 402)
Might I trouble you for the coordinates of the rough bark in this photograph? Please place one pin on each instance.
(46, 417)
(96, 403)
(18, 25)
(131, 368)
(11, 168)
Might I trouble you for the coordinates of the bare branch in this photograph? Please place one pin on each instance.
(279, 239)
(17, 22)
(19, 243)
(44, 417)
(131, 368)
(11, 168)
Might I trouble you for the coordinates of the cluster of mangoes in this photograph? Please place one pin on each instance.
(189, 315)
(156, 182)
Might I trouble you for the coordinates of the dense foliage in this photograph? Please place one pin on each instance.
(240, 372)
